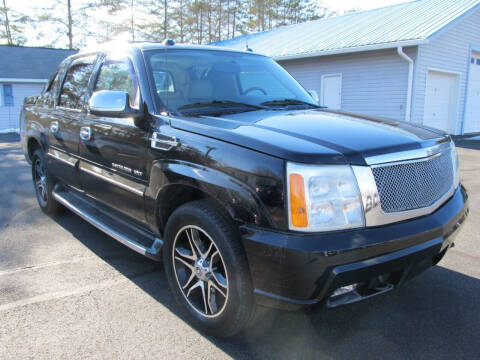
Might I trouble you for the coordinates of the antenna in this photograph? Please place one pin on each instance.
(246, 46)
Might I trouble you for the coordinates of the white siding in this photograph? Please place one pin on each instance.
(449, 50)
(9, 114)
(373, 83)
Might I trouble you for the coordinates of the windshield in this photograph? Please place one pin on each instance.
(205, 81)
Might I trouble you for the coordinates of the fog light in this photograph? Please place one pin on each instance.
(344, 289)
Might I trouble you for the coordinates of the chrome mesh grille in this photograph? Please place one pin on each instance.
(414, 185)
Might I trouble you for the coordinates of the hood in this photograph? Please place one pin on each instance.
(314, 136)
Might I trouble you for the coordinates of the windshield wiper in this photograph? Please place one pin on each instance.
(219, 103)
(286, 102)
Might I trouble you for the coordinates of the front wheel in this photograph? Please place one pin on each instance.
(42, 181)
(207, 269)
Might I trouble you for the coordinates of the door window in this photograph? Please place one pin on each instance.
(119, 75)
(48, 95)
(75, 85)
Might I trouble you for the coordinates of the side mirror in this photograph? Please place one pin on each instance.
(314, 96)
(112, 103)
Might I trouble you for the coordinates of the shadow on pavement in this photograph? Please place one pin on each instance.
(467, 141)
(9, 138)
(434, 316)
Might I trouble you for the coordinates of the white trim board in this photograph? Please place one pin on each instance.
(18, 80)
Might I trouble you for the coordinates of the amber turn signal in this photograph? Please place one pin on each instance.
(298, 207)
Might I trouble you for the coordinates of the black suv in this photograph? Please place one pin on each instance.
(220, 164)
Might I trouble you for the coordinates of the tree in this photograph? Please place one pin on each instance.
(12, 25)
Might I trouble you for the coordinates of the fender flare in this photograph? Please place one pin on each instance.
(237, 198)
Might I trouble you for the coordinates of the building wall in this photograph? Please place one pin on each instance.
(450, 50)
(373, 82)
(9, 114)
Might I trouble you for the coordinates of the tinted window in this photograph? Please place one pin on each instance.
(119, 75)
(48, 95)
(75, 85)
(163, 82)
(187, 77)
(261, 82)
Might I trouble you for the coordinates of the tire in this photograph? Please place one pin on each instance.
(43, 184)
(227, 307)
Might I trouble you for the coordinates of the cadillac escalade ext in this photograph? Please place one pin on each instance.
(218, 163)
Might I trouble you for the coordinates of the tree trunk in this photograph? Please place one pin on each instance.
(181, 21)
(7, 25)
(165, 21)
(132, 21)
(70, 35)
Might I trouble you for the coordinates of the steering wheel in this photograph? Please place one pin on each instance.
(258, 88)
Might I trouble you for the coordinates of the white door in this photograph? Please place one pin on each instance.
(441, 100)
(472, 113)
(332, 91)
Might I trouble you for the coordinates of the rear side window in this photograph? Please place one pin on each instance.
(119, 75)
(74, 87)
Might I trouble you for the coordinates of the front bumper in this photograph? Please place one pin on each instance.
(292, 270)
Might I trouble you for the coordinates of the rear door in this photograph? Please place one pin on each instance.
(66, 118)
(113, 168)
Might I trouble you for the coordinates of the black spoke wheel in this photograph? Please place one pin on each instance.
(206, 269)
(42, 183)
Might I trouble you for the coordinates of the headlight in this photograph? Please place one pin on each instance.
(323, 198)
(456, 171)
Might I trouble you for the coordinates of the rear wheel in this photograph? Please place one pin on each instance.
(42, 181)
(207, 270)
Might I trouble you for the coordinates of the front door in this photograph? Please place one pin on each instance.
(113, 168)
(65, 121)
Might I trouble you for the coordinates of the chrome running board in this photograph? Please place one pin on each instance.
(127, 234)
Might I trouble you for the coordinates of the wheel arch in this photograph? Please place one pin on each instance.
(32, 145)
(173, 184)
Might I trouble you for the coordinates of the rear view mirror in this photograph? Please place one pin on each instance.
(314, 96)
(111, 103)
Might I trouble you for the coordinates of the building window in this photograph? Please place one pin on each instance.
(6, 95)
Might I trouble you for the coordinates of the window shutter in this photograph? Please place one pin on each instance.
(7, 95)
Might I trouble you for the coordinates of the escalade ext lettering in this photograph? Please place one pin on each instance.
(220, 164)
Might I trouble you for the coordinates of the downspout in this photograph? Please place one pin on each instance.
(410, 81)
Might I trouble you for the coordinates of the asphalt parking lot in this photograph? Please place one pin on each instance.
(69, 291)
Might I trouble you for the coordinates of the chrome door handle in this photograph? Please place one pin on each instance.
(85, 133)
(54, 127)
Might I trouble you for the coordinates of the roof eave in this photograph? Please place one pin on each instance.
(372, 47)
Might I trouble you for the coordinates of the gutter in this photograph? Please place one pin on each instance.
(410, 81)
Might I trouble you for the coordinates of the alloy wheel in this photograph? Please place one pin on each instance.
(40, 177)
(200, 271)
